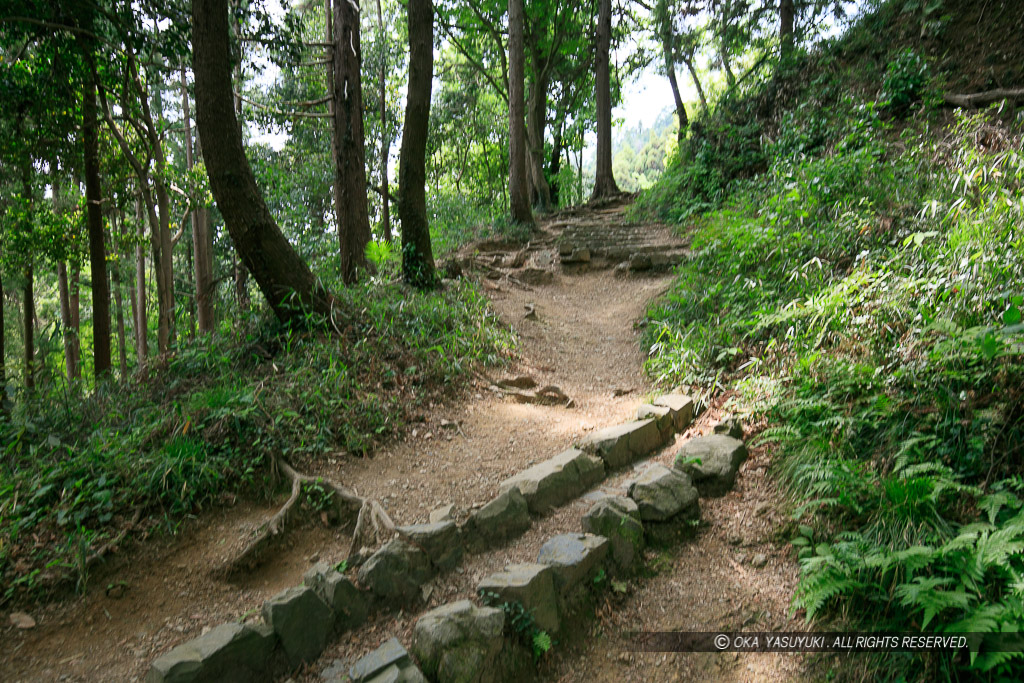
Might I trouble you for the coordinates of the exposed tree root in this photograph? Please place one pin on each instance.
(373, 525)
(982, 99)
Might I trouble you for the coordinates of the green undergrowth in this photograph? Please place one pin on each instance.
(204, 427)
(861, 290)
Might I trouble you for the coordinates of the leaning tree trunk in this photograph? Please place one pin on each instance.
(349, 152)
(417, 253)
(518, 188)
(670, 69)
(604, 180)
(282, 275)
(94, 224)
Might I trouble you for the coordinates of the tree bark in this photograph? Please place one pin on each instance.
(70, 364)
(141, 318)
(555, 163)
(417, 252)
(94, 223)
(115, 271)
(385, 141)
(348, 142)
(74, 297)
(604, 180)
(536, 118)
(696, 83)
(670, 69)
(786, 14)
(283, 277)
(202, 256)
(518, 189)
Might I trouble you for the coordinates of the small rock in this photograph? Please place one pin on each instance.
(444, 513)
(389, 663)
(662, 494)
(22, 621)
(711, 462)
(759, 560)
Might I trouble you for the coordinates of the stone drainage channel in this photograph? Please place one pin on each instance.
(461, 641)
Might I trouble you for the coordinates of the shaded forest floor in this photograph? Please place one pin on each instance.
(582, 339)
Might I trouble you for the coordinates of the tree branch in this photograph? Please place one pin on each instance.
(982, 98)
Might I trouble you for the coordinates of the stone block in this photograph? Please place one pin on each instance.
(558, 480)
(503, 518)
(711, 462)
(440, 540)
(621, 444)
(389, 663)
(395, 572)
(617, 518)
(234, 653)
(348, 603)
(574, 558)
(531, 585)
(662, 416)
(662, 494)
(460, 643)
(681, 407)
(302, 621)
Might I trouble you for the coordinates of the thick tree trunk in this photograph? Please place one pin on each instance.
(417, 252)
(604, 180)
(518, 188)
(141, 318)
(536, 118)
(163, 258)
(349, 152)
(385, 140)
(202, 256)
(94, 224)
(282, 276)
(786, 14)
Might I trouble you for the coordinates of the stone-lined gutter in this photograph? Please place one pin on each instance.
(460, 641)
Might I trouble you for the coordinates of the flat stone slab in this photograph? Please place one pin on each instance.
(395, 572)
(557, 480)
(681, 407)
(574, 558)
(617, 518)
(662, 494)
(230, 652)
(347, 602)
(302, 621)
(439, 540)
(712, 462)
(389, 663)
(531, 585)
(621, 444)
(503, 518)
(460, 642)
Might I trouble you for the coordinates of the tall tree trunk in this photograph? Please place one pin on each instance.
(349, 151)
(723, 42)
(518, 188)
(115, 271)
(70, 362)
(94, 223)
(385, 140)
(536, 118)
(786, 16)
(670, 69)
(141, 318)
(417, 252)
(3, 344)
(202, 256)
(555, 163)
(604, 180)
(282, 275)
(163, 258)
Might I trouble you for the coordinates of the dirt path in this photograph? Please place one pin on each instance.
(582, 339)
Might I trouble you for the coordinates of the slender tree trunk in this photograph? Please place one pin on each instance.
(555, 163)
(65, 320)
(536, 118)
(696, 83)
(604, 179)
(115, 271)
(3, 343)
(282, 276)
(202, 256)
(417, 252)
(242, 286)
(349, 152)
(518, 188)
(94, 223)
(141, 318)
(723, 42)
(74, 297)
(385, 140)
(786, 16)
(670, 69)
(164, 259)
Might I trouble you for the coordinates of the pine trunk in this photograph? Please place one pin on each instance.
(94, 224)
(518, 188)
(202, 253)
(604, 180)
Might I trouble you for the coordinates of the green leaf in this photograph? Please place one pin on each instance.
(1011, 316)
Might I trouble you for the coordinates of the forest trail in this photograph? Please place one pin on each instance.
(577, 328)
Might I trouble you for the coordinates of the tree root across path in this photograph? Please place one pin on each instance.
(373, 526)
